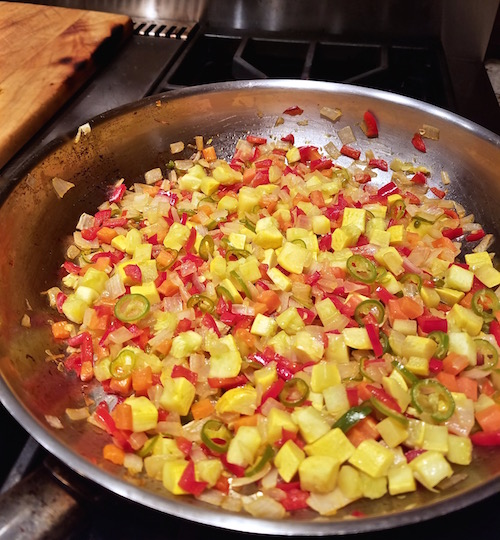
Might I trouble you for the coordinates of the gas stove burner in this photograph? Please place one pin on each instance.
(414, 70)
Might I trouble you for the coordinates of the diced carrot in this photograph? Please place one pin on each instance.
(245, 340)
(467, 300)
(412, 239)
(410, 307)
(61, 329)
(122, 415)
(363, 392)
(443, 242)
(168, 288)
(222, 484)
(202, 408)
(121, 386)
(106, 234)
(270, 299)
(468, 386)
(394, 311)
(489, 418)
(152, 191)
(249, 175)
(283, 225)
(114, 454)
(100, 352)
(245, 421)
(101, 264)
(448, 380)
(209, 153)
(316, 197)
(300, 198)
(142, 379)
(455, 363)
(98, 322)
(164, 347)
(363, 430)
(87, 371)
(165, 258)
(259, 308)
(487, 387)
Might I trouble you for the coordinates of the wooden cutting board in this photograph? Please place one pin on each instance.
(46, 54)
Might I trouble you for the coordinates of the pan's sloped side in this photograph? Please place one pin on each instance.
(36, 225)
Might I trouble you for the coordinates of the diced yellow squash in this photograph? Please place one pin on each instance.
(459, 278)
(176, 236)
(395, 386)
(488, 275)
(172, 473)
(419, 346)
(356, 217)
(263, 326)
(401, 479)
(208, 470)
(349, 482)
(225, 358)
(416, 431)
(324, 374)
(290, 321)
(475, 260)
(294, 258)
(143, 252)
(228, 203)
(288, 460)
(380, 238)
(293, 155)
(209, 185)
(88, 295)
(321, 225)
(144, 413)
(95, 279)
(270, 238)
(462, 343)
(265, 377)
(392, 431)
(430, 297)
(449, 296)
(248, 199)
(438, 266)
(224, 174)
(237, 240)
(241, 400)
(459, 450)
(389, 258)
(336, 350)
(408, 327)
(390, 282)
(327, 312)
(283, 282)
(373, 488)
(244, 445)
(178, 395)
(318, 474)
(311, 423)
(167, 447)
(462, 318)
(397, 233)
(270, 258)
(249, 270)
(418, 365)
(186, 343)
(345, 237)
(307, 346)
(119, 242)
(228, 286)
(334, 444)
(148, 290)
(372, 458)
(336, 400)
(133, 239)
(218, 266)
(357, 338)
(394, 197)
(277, 421)
(435, 438)
(430, 468)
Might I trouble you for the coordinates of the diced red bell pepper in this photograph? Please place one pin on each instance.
(90, 234)
(418, 142)
(293, 111)
(115, 222)
(476, 235)
(435, 366)
(134, 272)
(306, 315)
(389, 189)
(184, 445)
(383, 397)
(320, 164)
(384, 295)
(439, 193)
(228, 382)
(452, 233)
(237, 470)
(349, 151)
(371, 128)
(379, 164)
(325, 242)
(117, 193)
(372, 331)
(429, 323)
(309, 153)
(296, 499)
(254, 139)
(273, 391)
(484, 438)
(352, 395)
(210, 323)
(191, 240)
(419, 178)
(181, 371)
(495, 330)
(288, 138)
(188, 481)
(412, 454)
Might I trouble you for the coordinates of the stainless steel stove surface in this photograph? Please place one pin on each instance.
(163, 55)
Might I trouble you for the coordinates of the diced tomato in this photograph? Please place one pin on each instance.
(189, 483)
(418, 142)
(419, 178)
(370, 123)
(293, 111)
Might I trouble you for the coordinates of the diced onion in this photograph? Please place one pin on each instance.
(133, 463)
(115, 287)
(212, 496)
(177, 147)
(484, 244)
(262, 506)
(330, 113)
(445, 178)
(327, 504)
(86, 221)
(429, 132)
(84, 129)
(78, 414)
(54, 421)
(346, 135)
(61, 187)
(120, 335)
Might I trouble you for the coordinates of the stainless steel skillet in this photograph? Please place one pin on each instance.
(128, 141)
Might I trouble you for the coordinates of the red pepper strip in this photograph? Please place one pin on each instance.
(435, 366)
(133, 272)
(288, 138)
(181, 371)
(352, 395)
(452, 233)
(412, 454)
(293, 111)
(306, 315)
(286, 436)
(191, 240)
(429, 323)
(383, 397)
(114, 256)
(183, 326)
(102, 414)
(272, 392)
(71, 268)
(184, 445)
(309, 153)
(371, 128)
(84, 341)
(419, 178)
(418, 142)
(227, 382)
(495, 330)
(384, 295)
(486, 438)
(476, 235)
(101, 216)
(320, 164)
(117, 193)
(263, 163)
(313, 278)
(254, 139)
(115, 222)
(90, 234)
(113, 325)
(389, 189)
(438, 192)
(349, 151)
(188, 481)
(210, 323)
(372, 331)
(379, 164)
(237, 470)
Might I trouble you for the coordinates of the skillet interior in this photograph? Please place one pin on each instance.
(133, 139)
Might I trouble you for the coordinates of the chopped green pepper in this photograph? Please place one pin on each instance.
(352, 417)
(261, 463)
(206, 247)
(202, 302)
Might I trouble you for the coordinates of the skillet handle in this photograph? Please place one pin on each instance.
(38, 507)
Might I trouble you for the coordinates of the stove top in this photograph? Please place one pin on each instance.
(165, 56)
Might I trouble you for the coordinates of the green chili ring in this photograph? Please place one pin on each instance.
(131, 307)
(488, 297)
(369, 307)
(202, 302)
(238, 253)
(397, 209)
(206, 247)
(294, 393)
(412, 278)
(488, 352)
(241, 283)
(123, 365)
(443, 342)
(216, 436)
(410, 377)
(387, 411)
(430, 397)
(361, 268)
(261, 463)
(352, 417)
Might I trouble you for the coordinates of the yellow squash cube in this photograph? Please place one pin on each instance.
(288, 459)
(334, 444)
(372, 458)
(318, 474)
